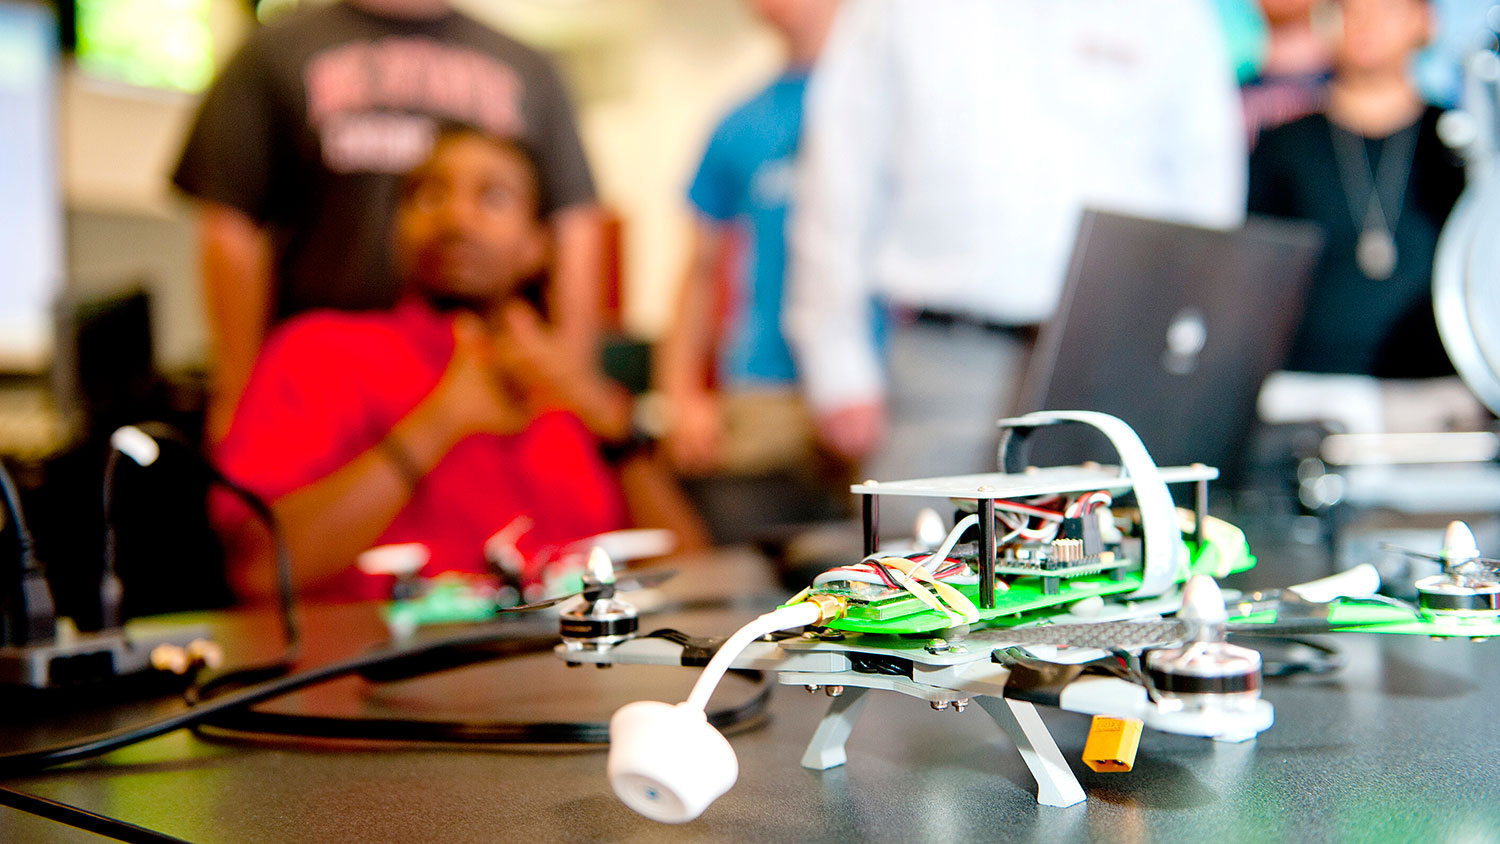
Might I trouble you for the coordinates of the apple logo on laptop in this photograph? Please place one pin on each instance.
(1186, 336)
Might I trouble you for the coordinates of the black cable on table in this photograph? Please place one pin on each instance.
(225, 707)
(224, 703)
(83, 819)
(232, 712)
(30, 761)
(250, 723)
(253, 724)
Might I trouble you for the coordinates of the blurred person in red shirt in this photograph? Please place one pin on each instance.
(442, 421)
(297, 151)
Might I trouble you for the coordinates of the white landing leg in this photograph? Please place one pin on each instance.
(1055, 783)
(826, 750)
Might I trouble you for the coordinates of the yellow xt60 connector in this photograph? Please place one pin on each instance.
(1112, 744)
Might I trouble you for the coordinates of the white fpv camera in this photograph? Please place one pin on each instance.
(667, 762)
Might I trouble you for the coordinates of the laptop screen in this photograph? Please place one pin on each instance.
(1171, 328)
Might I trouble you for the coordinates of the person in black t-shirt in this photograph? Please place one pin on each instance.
(297, 153)
(1373, 173)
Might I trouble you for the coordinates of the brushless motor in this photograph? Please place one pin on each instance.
(600, 621)
(1444, 594)
(598, 624)
(1465, 587)
(1205, 674)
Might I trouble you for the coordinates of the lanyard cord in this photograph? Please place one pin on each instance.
(1357, 176)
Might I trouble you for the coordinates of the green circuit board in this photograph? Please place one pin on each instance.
(906, 616)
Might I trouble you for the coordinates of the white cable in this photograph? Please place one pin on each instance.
(947, 547)
(1028, 511)
(1164, 554)
(940, 555)
(1018, 523)
(796, 615)
(846, 576)
(1077, 508)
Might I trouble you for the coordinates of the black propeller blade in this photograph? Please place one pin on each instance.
(647, 579)
(1487, 562)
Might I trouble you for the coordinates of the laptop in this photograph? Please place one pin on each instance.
(1171, 328)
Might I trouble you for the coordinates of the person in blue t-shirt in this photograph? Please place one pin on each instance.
(723, 366)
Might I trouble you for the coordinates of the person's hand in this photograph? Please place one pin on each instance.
(533, 357)
(550, 372)
(471, 394)
(695, 432)
(853, 431)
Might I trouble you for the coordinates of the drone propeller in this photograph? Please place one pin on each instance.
(1468, 582)
(1459, 550)
(594, 590)
(1485, 562)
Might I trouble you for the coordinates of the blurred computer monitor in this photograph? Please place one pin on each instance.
(30, 202)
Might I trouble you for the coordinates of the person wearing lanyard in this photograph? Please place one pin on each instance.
(1372, 171)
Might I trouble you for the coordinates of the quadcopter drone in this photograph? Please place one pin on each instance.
(1043, 592)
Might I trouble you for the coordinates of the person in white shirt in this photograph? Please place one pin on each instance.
(948, 152)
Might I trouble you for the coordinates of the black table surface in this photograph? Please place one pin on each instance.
(1399, 745)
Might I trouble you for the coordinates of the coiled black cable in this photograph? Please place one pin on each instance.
(30, 761)
(231, 714)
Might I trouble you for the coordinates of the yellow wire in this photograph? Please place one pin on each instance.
(912, 572)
